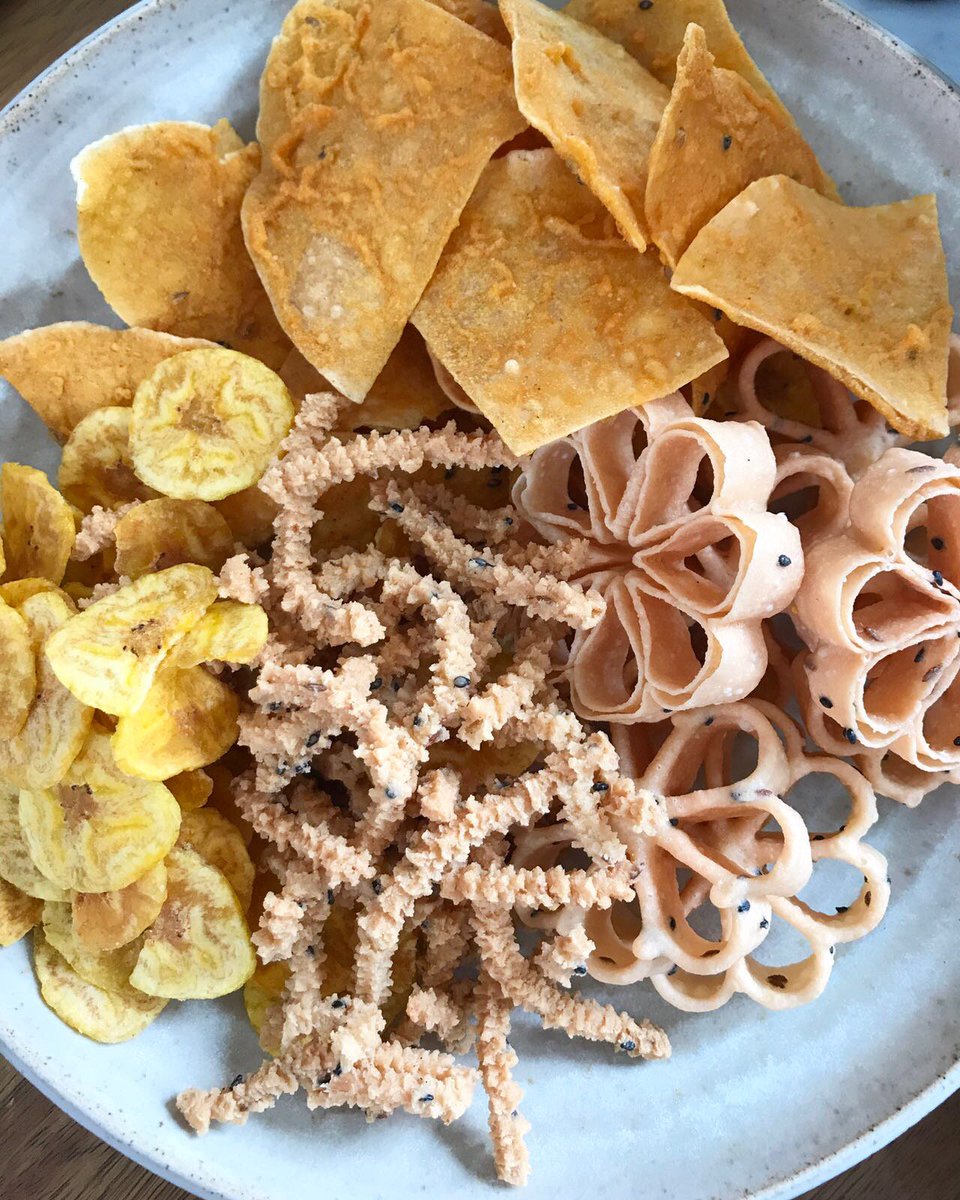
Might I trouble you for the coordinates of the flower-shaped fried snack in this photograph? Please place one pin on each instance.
(879, 611)
(716, 856)
(684, 550)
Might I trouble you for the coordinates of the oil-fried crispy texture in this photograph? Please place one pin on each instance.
(405, 394)
(104, 1016)
(96, 467)
(375, 122)
(109, 654)
(38, 525)
(199, 946)
(597, 105)
(104, 921)
(206, 424)
(717, 135)
(99, 830)
(18, 671)
(188, 719)
(261, 992)
(653, 34)
(861, 292)
(221, 844)
(163, 533)
(158, 223)
(57, 723)
(16, 863)
(227, 632)
(481, 14)
(18, 913)
(191, 789)
(68, 370)
(532, 243)
(108, 969)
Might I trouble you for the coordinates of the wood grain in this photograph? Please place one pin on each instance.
(44, 1155)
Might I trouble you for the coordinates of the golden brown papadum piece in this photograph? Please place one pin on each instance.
(375, 122)
(480, 14)
(68, 370)
(599, 108)
(861, 292)
(717, 135)
(158, 222)
(546, 317)
(405, 394)
(653, 34)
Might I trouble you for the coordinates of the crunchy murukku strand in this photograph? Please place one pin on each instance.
(497, 1060)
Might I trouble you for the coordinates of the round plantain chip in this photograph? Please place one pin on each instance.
(199, 946)
(228, 631)
(221, 844)
(99, 830)
(106, 921)
(261, 991)
(188, 719)
(18, 671)
(38, 524)
(206, 424)
(107, 969)
(192, 789)
(103, 1016)
(163, 533)
(16, 863)
(109, 654)
(96, 467)
(57, 724)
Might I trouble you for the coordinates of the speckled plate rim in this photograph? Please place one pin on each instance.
(820, 1171)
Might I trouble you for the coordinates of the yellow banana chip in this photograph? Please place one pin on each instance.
(192, 789)
(96, 467)
(222, 799)
(109, 969)
(67, 370)
(99, 830)
(164, 533)
(188, 720)
(57, 723)
(18, 672)
(16, 864)
(250, 515)
(109, 654)
(221, 844)
(17, 590)
(103, 1016)
(207, 423)
(199, 946)
(261, 991)
(18, 913)
(227, 632)
(104, 921)
(158, 222)
(38, 525)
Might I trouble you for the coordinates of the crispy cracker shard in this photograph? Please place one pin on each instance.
(344, 82)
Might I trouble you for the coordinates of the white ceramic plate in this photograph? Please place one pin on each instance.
(752, 1104)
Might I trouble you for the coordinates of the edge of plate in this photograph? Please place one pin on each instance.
(871, 1140)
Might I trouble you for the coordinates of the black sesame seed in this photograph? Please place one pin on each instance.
(427, 1099)
(629, 1045)
(920, 655)
(706, 397)
(238, 1079)
(744, 907)
(826, 702)
(572, 507)
(274, 706)
(600, 787)
(303, 767)
(674, 821)
(377, 887)
(581, 970)
(850, 736)
(709, 720)
(330, 896)
(311, 951)
(727, 141)
(282, 768)
(479, 562)
(395, 507)
(391, 794)
(313, 738)
(336, 1004)
(673, 922)
(764, 924)
(461, 681)
(417, 722)
(376, 685)
(337, 1070)
(784, 561)
(956, 741)
(937, 543)
(673, 970)
(938, 578)
(508, 520)
(807, 440)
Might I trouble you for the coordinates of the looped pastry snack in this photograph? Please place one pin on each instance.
(684, 552)
(742, 843)
(879, 610)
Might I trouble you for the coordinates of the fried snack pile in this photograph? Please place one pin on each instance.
(483, 561)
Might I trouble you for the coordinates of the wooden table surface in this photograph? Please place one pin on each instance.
(44, 1155)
